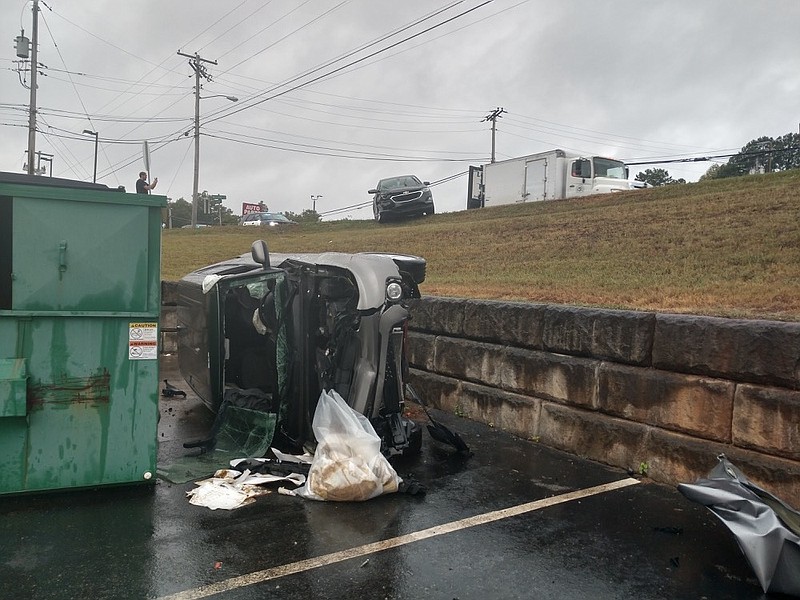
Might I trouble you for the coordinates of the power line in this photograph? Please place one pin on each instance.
(288, 35)
(360, 205)
(713, 157)
(359, 145)
(336, 152)
(333, 60)
(327, 74)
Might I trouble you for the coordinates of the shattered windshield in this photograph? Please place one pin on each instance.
(605, 167)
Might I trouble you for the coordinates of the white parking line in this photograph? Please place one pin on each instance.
(335, 557)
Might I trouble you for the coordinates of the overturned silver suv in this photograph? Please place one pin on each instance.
(270, 332)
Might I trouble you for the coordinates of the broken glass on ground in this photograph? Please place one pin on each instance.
(766, 528)
(244, 428)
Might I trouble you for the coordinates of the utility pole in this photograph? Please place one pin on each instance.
(199, 71)
(314, 202)
(493, 116)
(34, 73)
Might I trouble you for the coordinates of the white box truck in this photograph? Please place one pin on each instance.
(552, 175)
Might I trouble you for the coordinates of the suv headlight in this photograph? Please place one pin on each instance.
(394, 291)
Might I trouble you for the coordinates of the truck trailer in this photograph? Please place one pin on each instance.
(552, 175)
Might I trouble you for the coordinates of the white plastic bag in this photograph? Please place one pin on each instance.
(348, 464)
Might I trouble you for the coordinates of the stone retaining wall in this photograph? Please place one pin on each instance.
(637, 390)
(624, 388)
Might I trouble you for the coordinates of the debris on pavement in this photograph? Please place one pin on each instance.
(229, 489)
(348, 464)
(766, 529)
(439, 432)
(170, 391)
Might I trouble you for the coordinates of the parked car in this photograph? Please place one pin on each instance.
(398, 197)
(278, 329)
(266, 218)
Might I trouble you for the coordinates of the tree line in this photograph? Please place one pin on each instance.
(762, 155)
(180, 214)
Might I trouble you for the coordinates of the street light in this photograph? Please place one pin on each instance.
(314, 202)
(231, 98)
(96, 138)
(197, 98)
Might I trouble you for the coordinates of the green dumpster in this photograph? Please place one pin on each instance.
(79, 310)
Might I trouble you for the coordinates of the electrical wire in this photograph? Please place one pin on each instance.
(358, 144)
(231, 112)
(136, 92)
(360, 205)
(259, 32)
(337, 152)
(427, 41)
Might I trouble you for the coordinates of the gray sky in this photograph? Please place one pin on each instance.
(630, 79)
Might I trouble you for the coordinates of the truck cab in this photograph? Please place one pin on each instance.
(595, 175)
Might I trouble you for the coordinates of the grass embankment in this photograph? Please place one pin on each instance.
(728, 248)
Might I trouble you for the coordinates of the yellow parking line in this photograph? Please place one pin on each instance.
(335, 557)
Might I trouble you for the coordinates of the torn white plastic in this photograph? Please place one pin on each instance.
(229, 489)
(293, 458)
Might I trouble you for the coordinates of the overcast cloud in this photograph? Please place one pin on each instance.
(630, 79)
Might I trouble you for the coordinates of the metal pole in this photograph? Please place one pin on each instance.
(494, 124)
(495, 114)
(34, 73)
(96, 142)
(196, 140)
(96, 138)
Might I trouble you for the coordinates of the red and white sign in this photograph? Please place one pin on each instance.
(249, 209)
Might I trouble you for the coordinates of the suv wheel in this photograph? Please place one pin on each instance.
(376, 212)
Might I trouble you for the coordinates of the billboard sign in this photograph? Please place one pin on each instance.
(250, 208)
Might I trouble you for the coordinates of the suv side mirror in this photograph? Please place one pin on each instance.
(372, 192)
(426, 183)
(260, 253)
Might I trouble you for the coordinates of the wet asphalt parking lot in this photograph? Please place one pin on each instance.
(515, 520)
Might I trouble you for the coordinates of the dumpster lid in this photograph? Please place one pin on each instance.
(24, 178)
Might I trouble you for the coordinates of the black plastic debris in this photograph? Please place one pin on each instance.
(766, 529)
(170, 391)
(439, 432)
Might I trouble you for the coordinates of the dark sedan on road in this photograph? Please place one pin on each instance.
(268, 219)
(399, 197)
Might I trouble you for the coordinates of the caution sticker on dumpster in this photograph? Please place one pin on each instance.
(143, 341)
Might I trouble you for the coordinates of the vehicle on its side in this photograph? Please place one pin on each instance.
(279, 329)
(268, 219)
(399, 197)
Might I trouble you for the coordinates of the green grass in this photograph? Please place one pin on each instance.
(728, 248)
